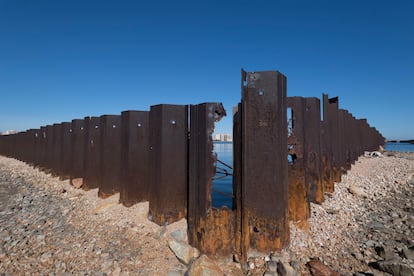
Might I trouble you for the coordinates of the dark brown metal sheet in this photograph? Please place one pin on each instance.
(48, 149)
(210, 230)
(264, 187)
(299, 203)
(57, 150)
(110, 155)
(92, 153)
(135, 176)
(66, 150)
(312, 149)
(78, 144)
(168, 163)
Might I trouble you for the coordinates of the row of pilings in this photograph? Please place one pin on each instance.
(284, 157)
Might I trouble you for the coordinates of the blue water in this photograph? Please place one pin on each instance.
(406, 147)
(224, 185)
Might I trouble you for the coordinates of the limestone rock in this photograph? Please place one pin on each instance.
(408, 253)
(317, 268)
(284, 269)
(184, 252)
(203, 266)
(179, 235)
(77, 182)
(393, 267)
(105, 207)
(357, 191)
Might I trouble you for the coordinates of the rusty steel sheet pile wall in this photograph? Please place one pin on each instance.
(66, 149)
(165, 156)
(211, 230)
(299, 203)
(264, 187)
(78, 143)
(312, 149)
(110, 155)
(92, 153)
(135, 175)
(168, 163)
(57, 150)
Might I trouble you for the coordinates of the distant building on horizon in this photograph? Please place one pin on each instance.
(8, 132)
(219, 137)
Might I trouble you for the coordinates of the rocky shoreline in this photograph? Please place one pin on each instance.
(49, 227)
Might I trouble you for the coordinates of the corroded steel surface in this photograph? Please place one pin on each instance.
(78, 145)
(57, 150)
(135, 175)
(210, 230)
(92, 153)
(66, 150)
(312, 149)
(299, 203)
(168, 163)
(264, 187)
(110, 156)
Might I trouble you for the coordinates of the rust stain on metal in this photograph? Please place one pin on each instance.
(264, 188)
(168, 163)
(210, 230)
(92, 153)
(299, 203)
(110, 155)
(134, 157)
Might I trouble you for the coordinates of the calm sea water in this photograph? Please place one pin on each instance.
(223, 186)
(406, 147)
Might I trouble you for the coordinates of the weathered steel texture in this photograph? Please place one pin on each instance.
(135, 178)
(299, 203)
(237, 169)
(168, 163)
(210, 230)
(57, 150)
(36, 147)
(264, 186)
(333, 121)
(110, 161)
(43, 148)
(66, 150)
(78, 144)
(48, 140)
(341, 145)
(92, 153)
(312, 149)
(327, 139)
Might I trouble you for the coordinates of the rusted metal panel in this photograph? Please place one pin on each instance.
(57, 150)
(66, 150)
(42, 152)
(36, 147)
(135, 178)
(78, 144)
(312, 149)
(264, 186)
(110, 166)
(210, 230)
(237, 169)
(92, 153)
(48, 149)
(30, 146)
(326, 150)
(299, 203)
(341, 159)
(168, 163)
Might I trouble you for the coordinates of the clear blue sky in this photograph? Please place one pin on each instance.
(61, 60)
